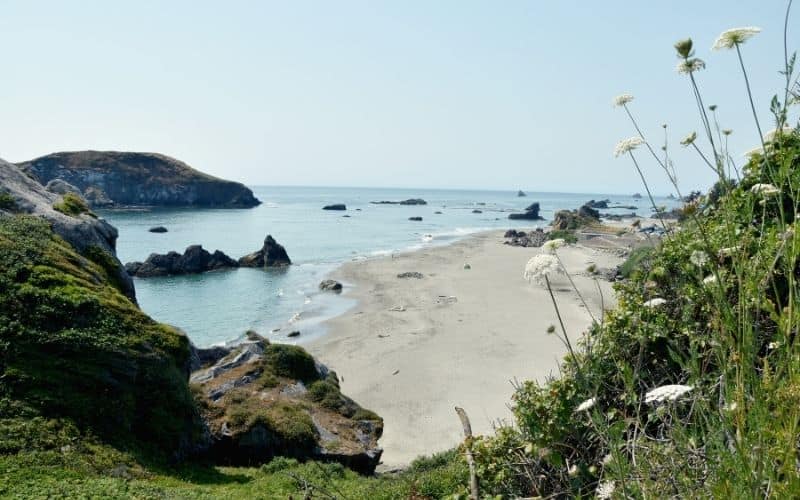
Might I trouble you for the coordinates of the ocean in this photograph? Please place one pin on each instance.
(218, 307)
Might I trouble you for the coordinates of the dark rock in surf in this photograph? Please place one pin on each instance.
(272, 254)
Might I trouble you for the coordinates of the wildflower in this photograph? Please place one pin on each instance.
(709, 280)
(586, 405)
(653, 303)
(727, 131)
(733, 37)
(753, 152)
(552, 245)
(772, 134)
(605, 490)
(573, 471)
(622, 100)
(689, 66)
(689, 139)
(627, 145)
(607, 459)
(698, 258)
(540, 266)
(773, 345)
(684, 48)
(730, 407)
(667, 393)
(765, 189)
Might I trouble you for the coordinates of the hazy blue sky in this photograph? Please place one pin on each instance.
(461, 94)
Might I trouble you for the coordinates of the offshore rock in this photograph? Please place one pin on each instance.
(272, 254)
(195, 259)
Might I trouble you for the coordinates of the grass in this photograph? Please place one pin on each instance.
(72, 204)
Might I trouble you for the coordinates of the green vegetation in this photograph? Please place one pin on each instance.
(691, 386)
(7, 201)
(568, 235)
(72, 204)
(291, 362)
(639, 259)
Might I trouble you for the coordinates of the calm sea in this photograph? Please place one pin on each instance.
(218, 307)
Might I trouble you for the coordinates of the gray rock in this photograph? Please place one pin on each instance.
(158, 229)
(417, 219)
(335, 206)
(411, 274)
(195, 259)
(531, 213)
(60, 186)
(272, 254)
(330, 286)
(521, 239)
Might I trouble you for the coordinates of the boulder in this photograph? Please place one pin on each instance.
(636, 196)
(272, 254)
(575, 219)
(531, 213)
(411, 274)
(597, 204)
(534, 238)
(195, 259)
(60, 186)
(476, 211)
(437, 213)
(330, 286)
(158, 229)
(418, 219)
(264, 400)
(589, 212)
(335, 206)
(521, 193)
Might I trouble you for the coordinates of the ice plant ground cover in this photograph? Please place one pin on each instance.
(691, 386)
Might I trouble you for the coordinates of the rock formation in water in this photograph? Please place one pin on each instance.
(330, 286)
(272, 254)
(335, 206)
(195, 259)
(531, 213)
(111, 178)
(410, 201)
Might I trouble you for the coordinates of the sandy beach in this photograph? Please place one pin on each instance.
(413, 349)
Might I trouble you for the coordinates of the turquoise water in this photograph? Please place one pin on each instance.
(220, 306)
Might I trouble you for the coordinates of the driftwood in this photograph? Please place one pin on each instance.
(473, 476)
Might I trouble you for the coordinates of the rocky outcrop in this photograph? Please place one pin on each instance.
(521, 193)
(195, 259)
(90, 235)
(330, 286)
(636, 196)
(575, 219)
(476, 211)
(263, 400)
(335, 206)
(158, 229)
(416, 219)
(531, 213)
(597, 204)
(411, 274)
(410, 201)
(272, 254)
(535, 238)
(110, 178)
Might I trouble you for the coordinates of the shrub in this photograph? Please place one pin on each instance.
(568, 235)
(72, 204)
(638, 259)
(291, 361)
(7, 202)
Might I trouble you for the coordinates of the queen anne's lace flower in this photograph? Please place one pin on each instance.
(627, 145)
(753, 152)
(622, 99)
(772, 134)
(667, 393)
(709, 280)
(586, 405)
(689, 139)
(764, 189)
(552, 245)
(698, 258)
(653, 303)
(736, 36)
(540, 266)
(605, 490)
(688, 66)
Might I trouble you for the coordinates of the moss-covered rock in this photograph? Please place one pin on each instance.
(264, 400)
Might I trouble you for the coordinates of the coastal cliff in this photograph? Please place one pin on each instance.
(114, 179)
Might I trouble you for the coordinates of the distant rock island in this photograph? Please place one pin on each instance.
(410, 201)
(118, 179)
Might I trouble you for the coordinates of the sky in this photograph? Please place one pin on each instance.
(414, 93)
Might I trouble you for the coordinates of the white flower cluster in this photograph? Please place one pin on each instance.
(764, 189)
(656, 302)
(689, 66)
(605, 490)
(667, 393)
(586, 405)
(627, 145)
(736, 36)
(540, 266)
(709, 280)
(622, 99)
(698, 258)
(552, 245)
(772, 134)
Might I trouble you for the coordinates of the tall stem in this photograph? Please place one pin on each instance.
(753, 108)
(649, 194)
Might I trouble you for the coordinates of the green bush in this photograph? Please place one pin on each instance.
(71, 204)
(7, 202)
(639, 259)
(568, 235)
(291, 361)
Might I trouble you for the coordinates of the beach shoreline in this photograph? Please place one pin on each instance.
(412, 349)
